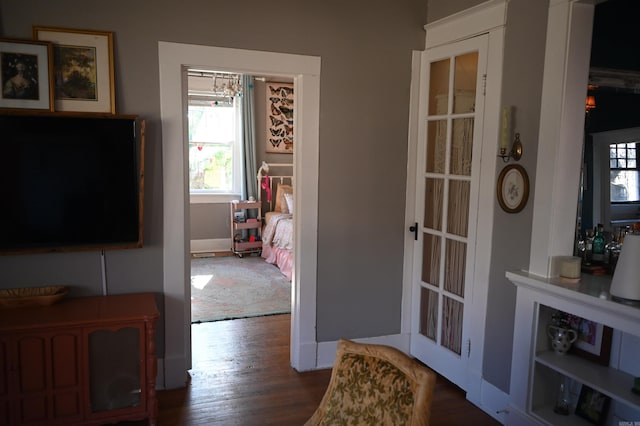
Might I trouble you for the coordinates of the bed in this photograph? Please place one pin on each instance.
(277, 235)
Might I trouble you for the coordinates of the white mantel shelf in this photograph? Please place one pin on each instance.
(592, 291)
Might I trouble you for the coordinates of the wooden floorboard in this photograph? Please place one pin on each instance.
(242, 376)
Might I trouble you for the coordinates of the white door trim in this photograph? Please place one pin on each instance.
(305, 70)
(490, 18)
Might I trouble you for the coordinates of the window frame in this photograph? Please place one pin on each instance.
(202, 196)
(625, 158)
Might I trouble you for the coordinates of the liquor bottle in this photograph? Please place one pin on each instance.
(588, 250)
(598, 245)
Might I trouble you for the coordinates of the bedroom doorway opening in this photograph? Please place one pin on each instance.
(240, 146)
(305, 71)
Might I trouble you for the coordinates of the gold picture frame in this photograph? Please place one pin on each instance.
(25, 75)
(513, 188)
(83, 69)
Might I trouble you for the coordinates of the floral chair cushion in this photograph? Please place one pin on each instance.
(375, 385)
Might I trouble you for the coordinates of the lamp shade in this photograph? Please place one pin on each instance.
(626, 278)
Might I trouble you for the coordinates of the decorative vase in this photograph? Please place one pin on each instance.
(561, 338)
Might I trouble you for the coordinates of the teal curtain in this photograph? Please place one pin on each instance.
(250, 186)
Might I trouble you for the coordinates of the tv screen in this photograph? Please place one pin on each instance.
(69, 183)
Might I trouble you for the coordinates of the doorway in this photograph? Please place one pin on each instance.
(305, 71)
(230, 136)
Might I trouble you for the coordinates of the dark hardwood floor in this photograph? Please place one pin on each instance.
(241, 376)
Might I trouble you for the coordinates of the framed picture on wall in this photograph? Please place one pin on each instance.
(593, 339)
(279, 118)
(83, 69)
(25, 74)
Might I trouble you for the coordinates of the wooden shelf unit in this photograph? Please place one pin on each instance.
(86, 360)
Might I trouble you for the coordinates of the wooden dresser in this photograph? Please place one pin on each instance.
(87, 360)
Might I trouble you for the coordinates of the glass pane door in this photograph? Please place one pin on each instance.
(447, 182)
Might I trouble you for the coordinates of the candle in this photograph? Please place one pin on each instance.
(504, 136)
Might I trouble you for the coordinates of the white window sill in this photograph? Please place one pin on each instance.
(212, 198)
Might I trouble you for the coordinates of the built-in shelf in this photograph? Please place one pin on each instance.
(614, 383)
(547, 415)
(536, 369)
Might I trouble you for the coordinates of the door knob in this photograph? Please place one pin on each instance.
(414, 228)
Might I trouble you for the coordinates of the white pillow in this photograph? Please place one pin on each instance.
(288, 198)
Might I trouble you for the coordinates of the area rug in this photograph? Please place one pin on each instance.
(229, 287)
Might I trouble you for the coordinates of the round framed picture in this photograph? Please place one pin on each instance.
(513, 188)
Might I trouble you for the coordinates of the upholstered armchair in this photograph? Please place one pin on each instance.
(375, 385)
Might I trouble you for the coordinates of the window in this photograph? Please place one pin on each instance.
(615, 193)
(215, 138)
(624, 172)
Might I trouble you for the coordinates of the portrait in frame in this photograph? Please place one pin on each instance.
(25, 74)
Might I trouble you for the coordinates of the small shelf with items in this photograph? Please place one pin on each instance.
(246, 227)
(592, 380)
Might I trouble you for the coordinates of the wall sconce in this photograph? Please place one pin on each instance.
(590, 103)
(516, 150)
(505, 132)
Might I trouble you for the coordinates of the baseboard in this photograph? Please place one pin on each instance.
(327, 350)
(516, 417)
(175, 375)
(494, 402)
(210, 245)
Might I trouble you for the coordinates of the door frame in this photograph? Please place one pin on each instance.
(305, 71)
(487, 18)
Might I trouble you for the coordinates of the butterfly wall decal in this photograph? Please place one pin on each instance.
(277, 132)
(288, 112)
(285, 91)
(275, 122)
(275, 142)
(275, 100)
(274, 90)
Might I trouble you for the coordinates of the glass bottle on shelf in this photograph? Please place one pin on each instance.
(598, 245)
(563, 398)
(588, 251)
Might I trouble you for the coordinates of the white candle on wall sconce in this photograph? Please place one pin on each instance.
(504, 134)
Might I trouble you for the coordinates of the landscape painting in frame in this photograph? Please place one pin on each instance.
(279, 118)
(25, 75)
(83, 69)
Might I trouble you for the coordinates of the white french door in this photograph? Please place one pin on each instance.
(450, 118)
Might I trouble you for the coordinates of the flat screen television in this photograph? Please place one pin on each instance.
(70, 183)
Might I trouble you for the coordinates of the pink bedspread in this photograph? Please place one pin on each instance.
(280, 257)
(277, 241)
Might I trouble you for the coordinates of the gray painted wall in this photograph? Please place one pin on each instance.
(521, 88)
(365, 48)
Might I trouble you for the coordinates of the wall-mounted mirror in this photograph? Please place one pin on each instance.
(610, 192)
